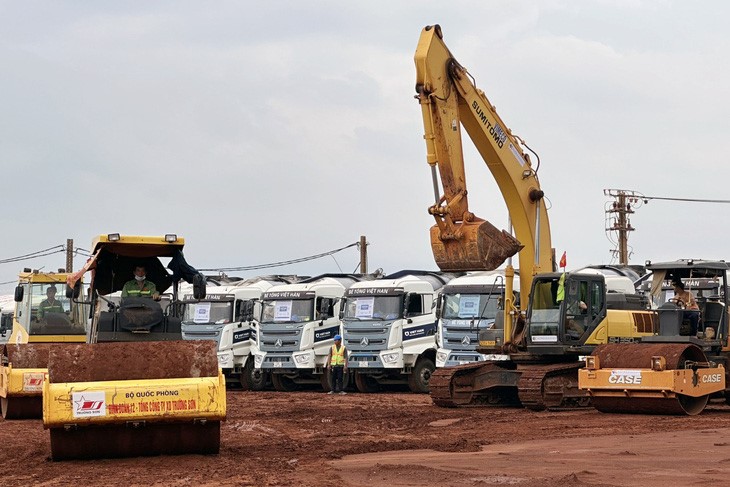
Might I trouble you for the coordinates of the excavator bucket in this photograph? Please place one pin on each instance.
(110, 400)
(656, 378)
(482, 246)
(21, 380)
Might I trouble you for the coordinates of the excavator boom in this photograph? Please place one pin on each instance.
(460, 240)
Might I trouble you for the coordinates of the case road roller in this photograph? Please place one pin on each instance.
(674, 371)
(136, 388)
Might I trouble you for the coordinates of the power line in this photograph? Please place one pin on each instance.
(618, 212)
(40, 253)
(280, 263)
(691, 200)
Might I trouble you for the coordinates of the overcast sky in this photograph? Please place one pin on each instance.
(268, 131)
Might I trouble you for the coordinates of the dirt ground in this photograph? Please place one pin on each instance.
(315, 439)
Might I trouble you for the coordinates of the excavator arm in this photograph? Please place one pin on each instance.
(461, 241)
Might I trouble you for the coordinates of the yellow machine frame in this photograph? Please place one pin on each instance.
(655, 382)
(119, 402)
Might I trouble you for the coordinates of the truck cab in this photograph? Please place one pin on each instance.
(226, 316)
(296, 329)
(390, 329)
(467, 305)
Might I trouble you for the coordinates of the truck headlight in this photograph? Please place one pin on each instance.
(258, 360)
(441, 356)
(390, 358)
(301, 359)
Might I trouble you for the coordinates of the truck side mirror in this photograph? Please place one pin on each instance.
(406, 304)
(247, 310)
(6, 323)
(19, 293)
(324, 308)
(439, 302)
(343, 304)
(199, 286)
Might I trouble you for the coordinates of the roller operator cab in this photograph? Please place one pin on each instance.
(296, 329)
(467, 305)
(136, 388)
(139, 318)
(673, 371)
(44, 317)
(390, 329)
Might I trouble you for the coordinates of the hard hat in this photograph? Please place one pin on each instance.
(338, 337)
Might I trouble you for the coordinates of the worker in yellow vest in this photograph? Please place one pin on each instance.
(337, 364)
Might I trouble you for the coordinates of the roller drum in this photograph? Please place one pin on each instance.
(638, 356)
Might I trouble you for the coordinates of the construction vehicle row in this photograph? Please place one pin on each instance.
(112, 376)
(265, 330)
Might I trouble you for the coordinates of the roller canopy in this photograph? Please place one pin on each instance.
(113, 270)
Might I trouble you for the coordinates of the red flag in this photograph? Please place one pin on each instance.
(563, 261)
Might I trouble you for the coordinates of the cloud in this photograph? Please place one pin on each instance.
(288, 129)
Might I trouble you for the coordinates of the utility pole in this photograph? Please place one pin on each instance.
(624, 204)
(363, 255)
(69, 255)
(618, 220)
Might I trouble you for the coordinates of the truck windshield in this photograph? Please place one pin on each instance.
(374, 308)
(467, 306)
(52, 312)
(205, 312)
(287, 311)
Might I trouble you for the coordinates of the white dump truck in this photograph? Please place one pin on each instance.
(226, 317)
(389, 329)
(296, 329)
(467, 305)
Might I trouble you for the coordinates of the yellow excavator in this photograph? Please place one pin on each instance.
(136, 388)
(536, 350)
(44, 318)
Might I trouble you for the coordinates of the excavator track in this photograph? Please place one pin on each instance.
(447, 387)
(638, 356)
(535, 387)
(477, 384)
(553, 387)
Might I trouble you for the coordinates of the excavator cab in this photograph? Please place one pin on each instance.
(564, 310)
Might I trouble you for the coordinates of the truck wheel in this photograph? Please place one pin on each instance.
(420, 375)
(283, 383)
(252, 379)
(326, 380)
(366, 383)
